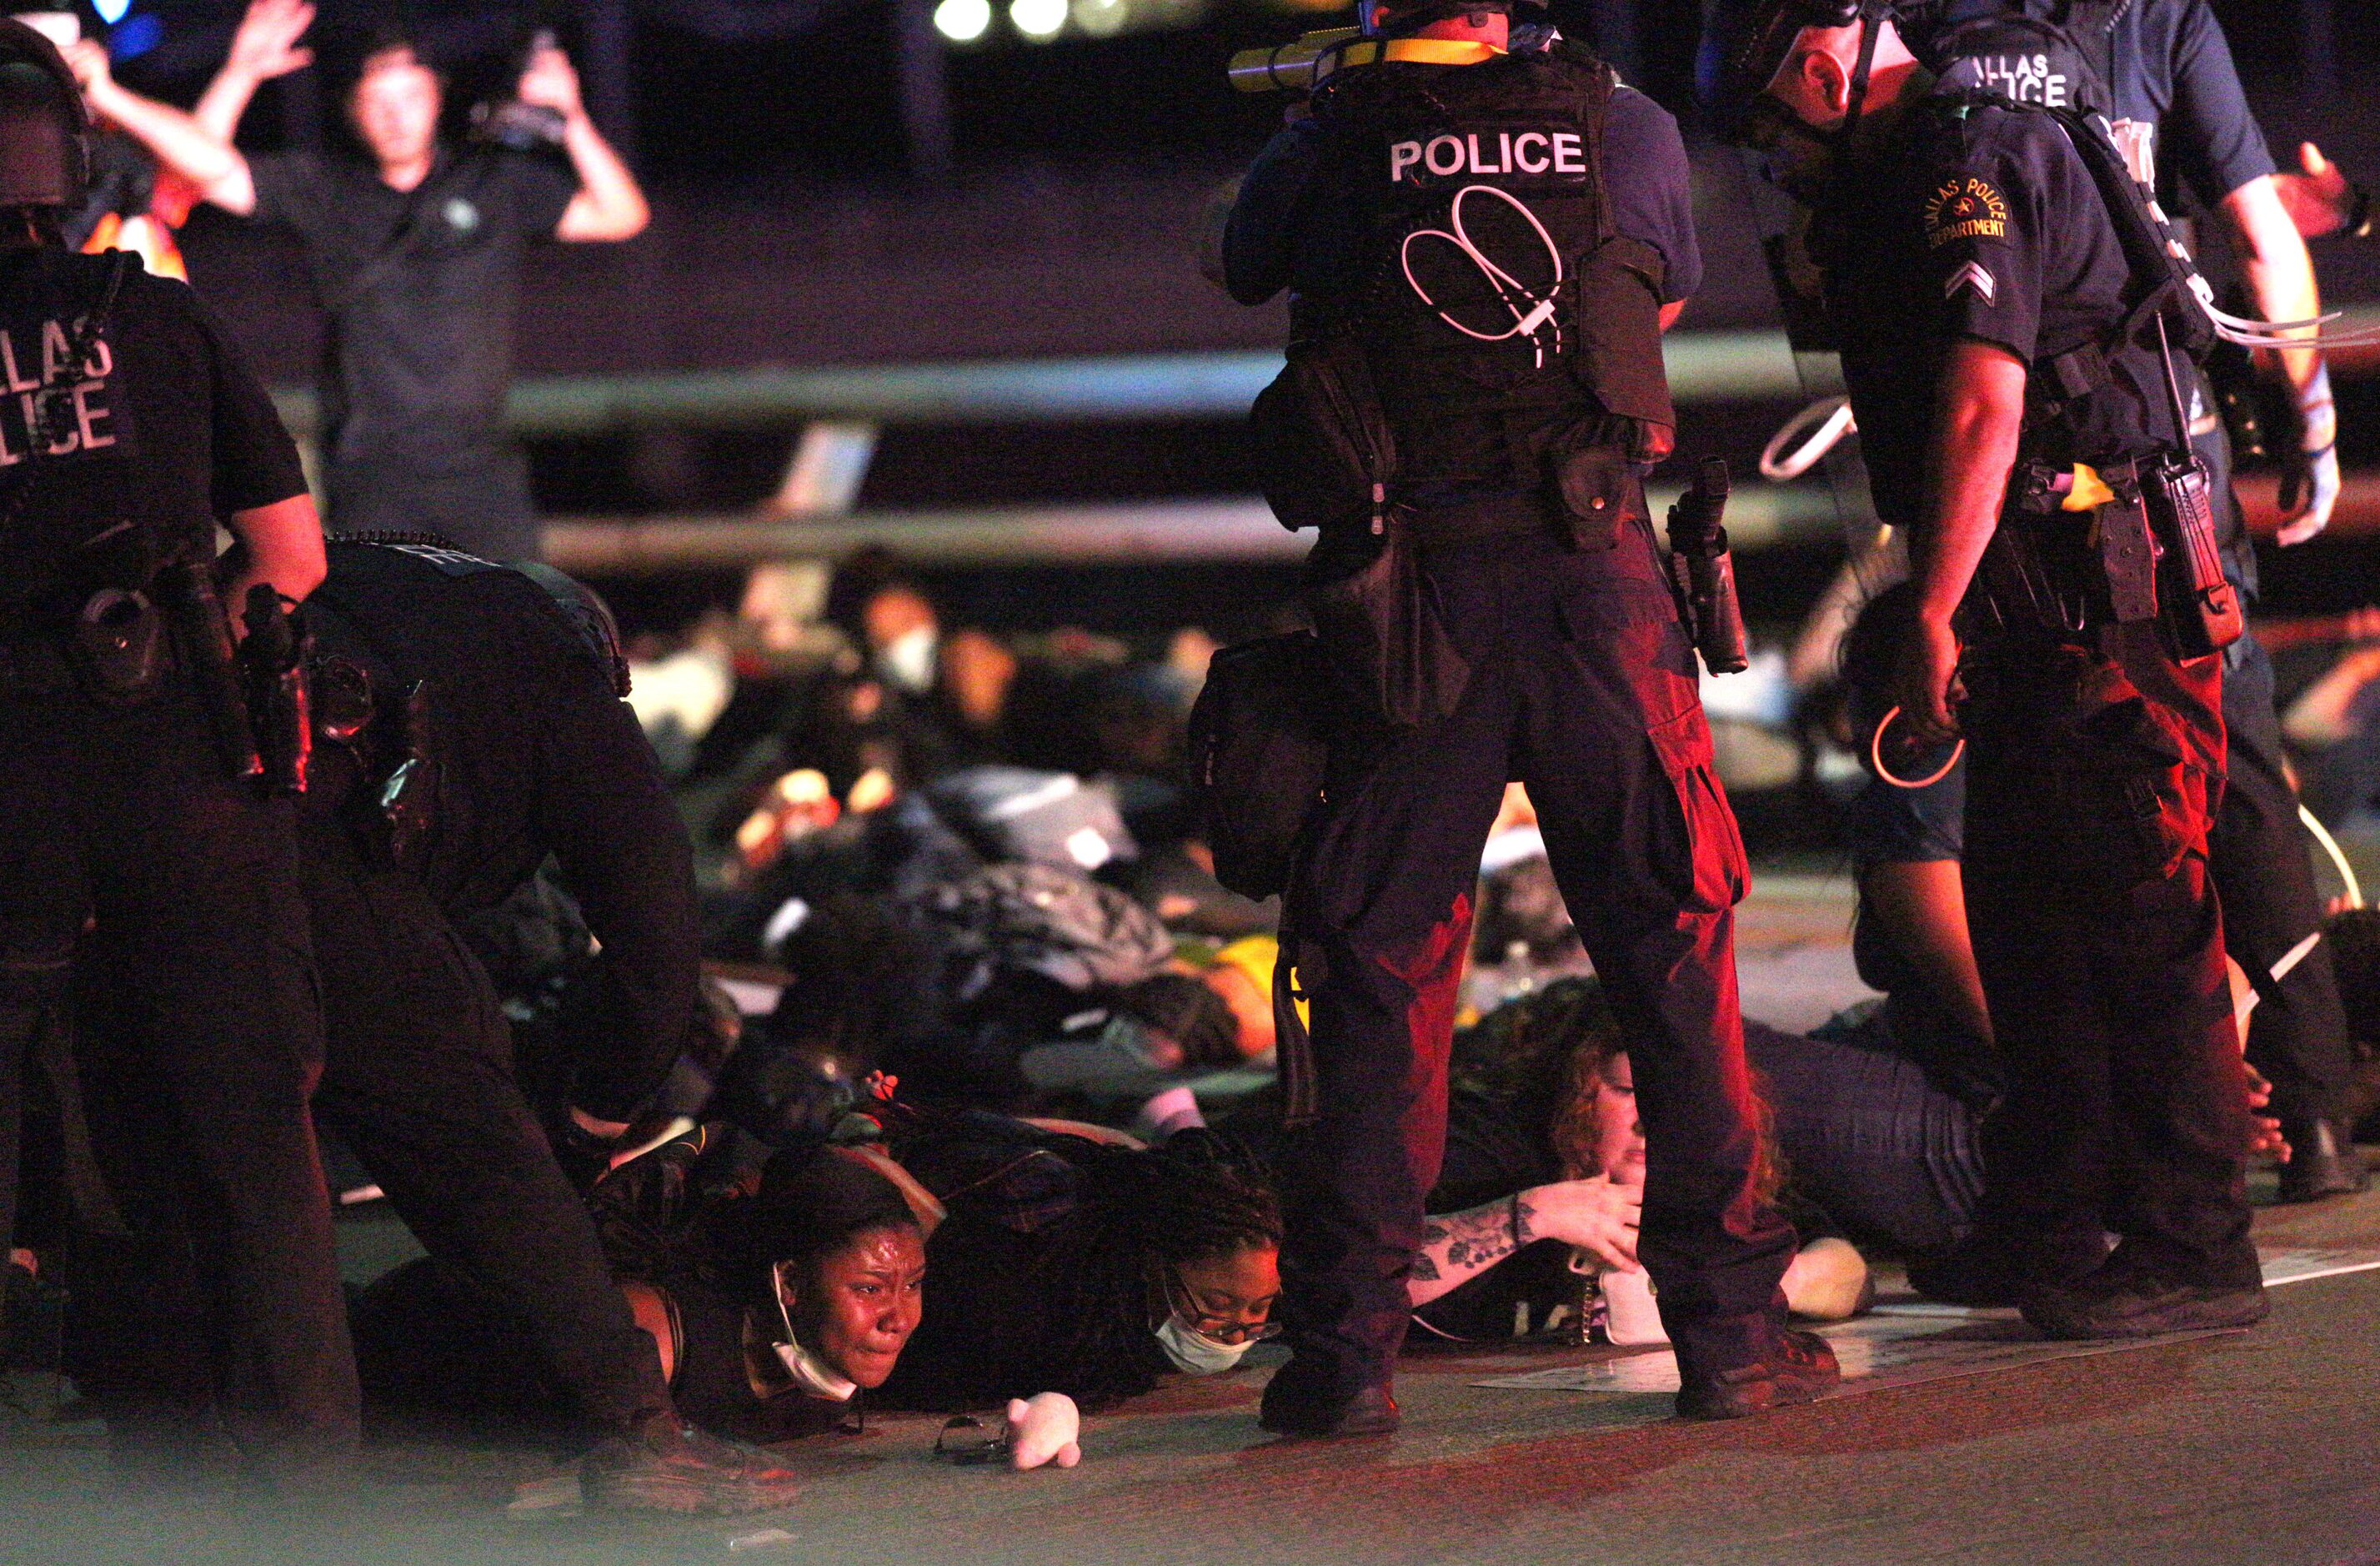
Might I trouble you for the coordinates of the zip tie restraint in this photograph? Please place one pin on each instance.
(1823, 423)
(1531, 314)
(1876, 756)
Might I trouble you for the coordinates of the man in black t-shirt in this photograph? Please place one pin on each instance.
(132, 852)
(416, 258)
(2008, 394)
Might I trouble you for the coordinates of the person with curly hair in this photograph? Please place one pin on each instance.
(1091, 1267)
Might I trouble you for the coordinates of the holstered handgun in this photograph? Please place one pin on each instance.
(2016, 590)
(402, 812)
(272, 677)
(1701, 570)
(186, 592)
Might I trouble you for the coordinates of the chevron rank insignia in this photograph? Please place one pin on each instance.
(1972, 274)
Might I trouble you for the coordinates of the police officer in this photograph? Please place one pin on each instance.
(2004, 344)
(131, 837)
(2162, 71)
(1482, 245)
(472, 725)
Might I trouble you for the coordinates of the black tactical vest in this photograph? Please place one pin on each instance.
(2064, 61)
(1504, 318)
(73, 514)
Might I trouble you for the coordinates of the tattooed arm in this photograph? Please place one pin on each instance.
(1594, 1213)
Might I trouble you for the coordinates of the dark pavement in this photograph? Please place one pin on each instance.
(2259, 1448)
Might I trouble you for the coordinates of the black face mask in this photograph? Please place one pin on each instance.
(1796, 158)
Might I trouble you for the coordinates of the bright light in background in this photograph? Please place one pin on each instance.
(963, 21)
(1101, 18)
(1038, 19)
(111, 11)
(136, 35)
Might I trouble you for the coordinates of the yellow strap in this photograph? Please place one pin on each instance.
(2090, 490)
(1421, 52)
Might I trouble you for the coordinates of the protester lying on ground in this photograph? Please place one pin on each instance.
(1545, 1084)
(1088, 1268)
(1067, 1258)
(775, 1313)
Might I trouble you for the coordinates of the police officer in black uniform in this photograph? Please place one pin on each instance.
(2162, 72)
(133, 838)
(471, 725)
(1483, 246)
(2004, 323)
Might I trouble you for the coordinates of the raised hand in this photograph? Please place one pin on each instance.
(551, 81)
(266, 43)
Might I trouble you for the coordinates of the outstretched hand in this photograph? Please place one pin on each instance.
(2319, 199)
(2264, 1137)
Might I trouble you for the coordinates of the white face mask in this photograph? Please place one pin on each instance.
(1194, 1353)
(908, 660)
(811, 1373)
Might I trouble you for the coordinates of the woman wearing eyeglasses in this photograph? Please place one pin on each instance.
(1088, 1266)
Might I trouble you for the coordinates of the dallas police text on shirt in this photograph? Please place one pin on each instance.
(90, 426)
(1525, 151)
(2025, 78)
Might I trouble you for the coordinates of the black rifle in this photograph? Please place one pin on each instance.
(1701, 570)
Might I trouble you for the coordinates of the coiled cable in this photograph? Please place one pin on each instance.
(1531, 312)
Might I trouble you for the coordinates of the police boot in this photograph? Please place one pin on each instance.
(1795, 1368)
(1988, 1269)
(2144, 1288)
(1300, 1404)
(2323, 1162)
(662, 1465)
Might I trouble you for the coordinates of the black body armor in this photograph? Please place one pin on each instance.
(1504, 321)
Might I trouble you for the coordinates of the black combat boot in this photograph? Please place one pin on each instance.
(2144, 1288)
(1297, 1404)
(2323, 1162)
(1796, 1368)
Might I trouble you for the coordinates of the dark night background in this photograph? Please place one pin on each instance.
(797, 221)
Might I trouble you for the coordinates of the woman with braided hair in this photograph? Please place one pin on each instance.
(1084, 1267)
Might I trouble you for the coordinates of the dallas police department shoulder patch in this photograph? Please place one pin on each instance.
(1966, 208)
